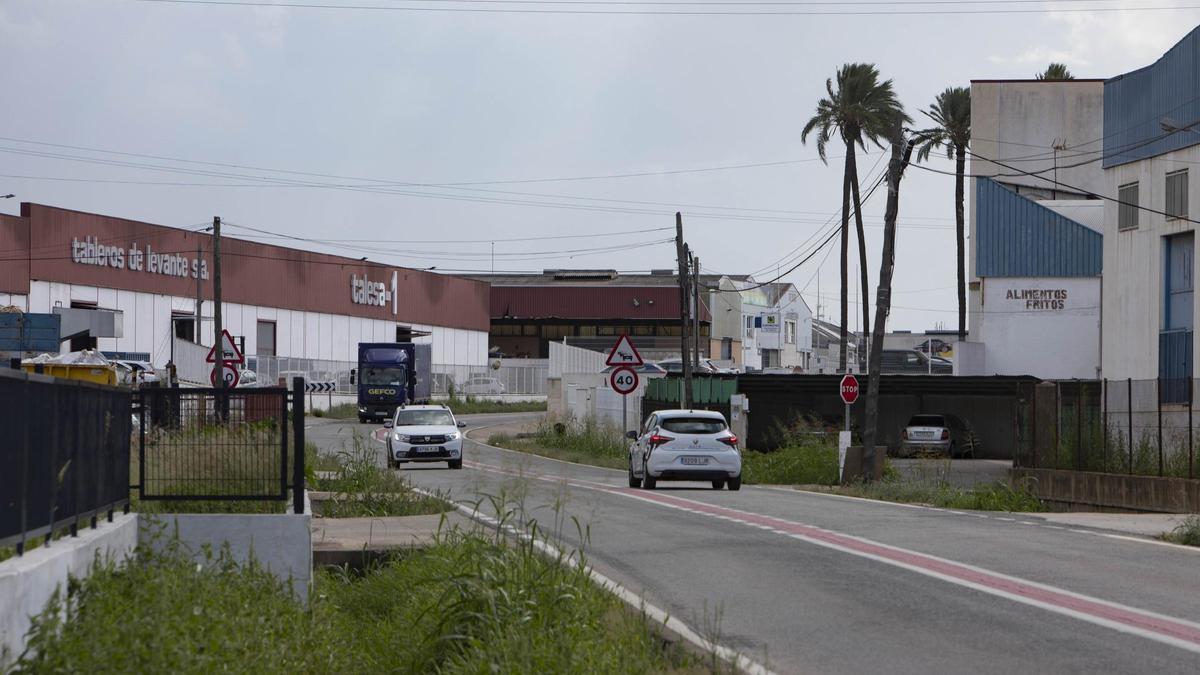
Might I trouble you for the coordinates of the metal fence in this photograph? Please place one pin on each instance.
(1136, 427)
(524, 377)
(65, 456)
(220, 444)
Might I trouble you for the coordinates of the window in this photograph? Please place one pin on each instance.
(403, 334)
(1178, 277)
(1177, 198)
(266, 338)
(184, 324)
(693, 425)
(1127, 211)
(789, 332)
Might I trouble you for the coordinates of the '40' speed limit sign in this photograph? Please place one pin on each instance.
(624, 380)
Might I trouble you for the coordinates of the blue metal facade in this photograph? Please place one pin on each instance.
(1136, 103)
(1017, 237)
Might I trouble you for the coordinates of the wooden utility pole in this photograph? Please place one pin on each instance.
(696, 312)
(217, 327)
(901, 153)
(681, 254)
(199, 298)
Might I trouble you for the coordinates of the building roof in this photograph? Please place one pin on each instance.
(1137, 104)
(1018, 237)
(581, 277)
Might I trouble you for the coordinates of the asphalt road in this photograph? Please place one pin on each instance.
(804, 582)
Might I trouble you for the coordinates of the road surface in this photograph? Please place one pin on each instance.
(804, 582)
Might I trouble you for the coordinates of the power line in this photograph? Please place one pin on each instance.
(660, 12)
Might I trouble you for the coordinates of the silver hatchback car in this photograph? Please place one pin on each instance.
(685, 445)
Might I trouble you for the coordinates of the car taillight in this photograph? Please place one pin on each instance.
(658, 439)
(904, 435)
(729, 440)
(945, 434)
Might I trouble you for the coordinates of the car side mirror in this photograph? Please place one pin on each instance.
(353, 372)
(631, 435)
(462, 425)
(387, 424)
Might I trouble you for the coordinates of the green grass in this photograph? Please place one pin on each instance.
(582, 441)
(468, 604)
(812, 464)
(364, 489)
(1186, 533)
(472, 406)
(341, 411)
(988, 497)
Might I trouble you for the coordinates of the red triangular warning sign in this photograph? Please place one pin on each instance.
(232, 353)
(624, 353)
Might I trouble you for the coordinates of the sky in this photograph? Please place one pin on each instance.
(419, 137)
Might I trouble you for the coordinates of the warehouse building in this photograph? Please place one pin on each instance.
(138, 286)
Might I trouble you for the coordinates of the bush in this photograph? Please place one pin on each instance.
(812, 464)
(989, 497)
(363, 489)
(1186, 533)
(468, 604)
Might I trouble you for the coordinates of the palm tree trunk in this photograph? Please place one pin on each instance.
(883, 299)
(846, 185)
(959, 172)
(862, 257)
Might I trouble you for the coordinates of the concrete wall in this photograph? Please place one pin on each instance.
(297, 333)
(1106, 491)
(1058, 338)
(280, 542)
(27, 582)
(1133, 265)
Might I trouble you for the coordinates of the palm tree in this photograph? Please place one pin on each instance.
(1056, 71)
(951, 111)
(859, 109)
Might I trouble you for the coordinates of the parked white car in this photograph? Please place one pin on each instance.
(685, 445)
(424, 433)
(480, 385)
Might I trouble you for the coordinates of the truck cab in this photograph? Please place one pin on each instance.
(386, 378)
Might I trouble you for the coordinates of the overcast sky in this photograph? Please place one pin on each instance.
(368, 97)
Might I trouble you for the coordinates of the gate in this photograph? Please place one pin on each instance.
(220, 444)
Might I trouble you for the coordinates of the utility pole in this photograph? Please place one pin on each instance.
(696, 311)
(217, 327)
(199, 298)
(685, 400)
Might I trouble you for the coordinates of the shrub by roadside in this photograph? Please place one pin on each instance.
(584, 441)
(813, 464)
(1186, 533)
(466, 605)
(364, 489)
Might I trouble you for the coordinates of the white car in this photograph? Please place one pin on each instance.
(482, 385)
(685, 445)
(424, 433)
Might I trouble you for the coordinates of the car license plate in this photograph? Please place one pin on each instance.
(429, 449)
(700, 461)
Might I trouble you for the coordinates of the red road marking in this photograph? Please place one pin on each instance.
(1177, 632)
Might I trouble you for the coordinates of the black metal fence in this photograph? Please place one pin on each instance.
(1136, 427)
(64, 458)
(220, 444)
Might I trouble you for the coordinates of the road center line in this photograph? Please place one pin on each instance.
(1164, 629)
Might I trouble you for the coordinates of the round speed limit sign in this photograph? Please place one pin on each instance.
(624, 380)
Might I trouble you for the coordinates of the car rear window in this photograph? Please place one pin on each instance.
(693, 425)
(927, 421)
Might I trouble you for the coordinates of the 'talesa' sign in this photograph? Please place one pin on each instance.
(363, 291)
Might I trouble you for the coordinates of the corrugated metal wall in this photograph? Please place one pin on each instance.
(1136, 103)
(1017, 237)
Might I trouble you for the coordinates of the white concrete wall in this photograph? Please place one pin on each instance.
(300, 334)
(1133, 264)
(27, 582)
(282, 543)
(16, 299)
(1023, 338)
